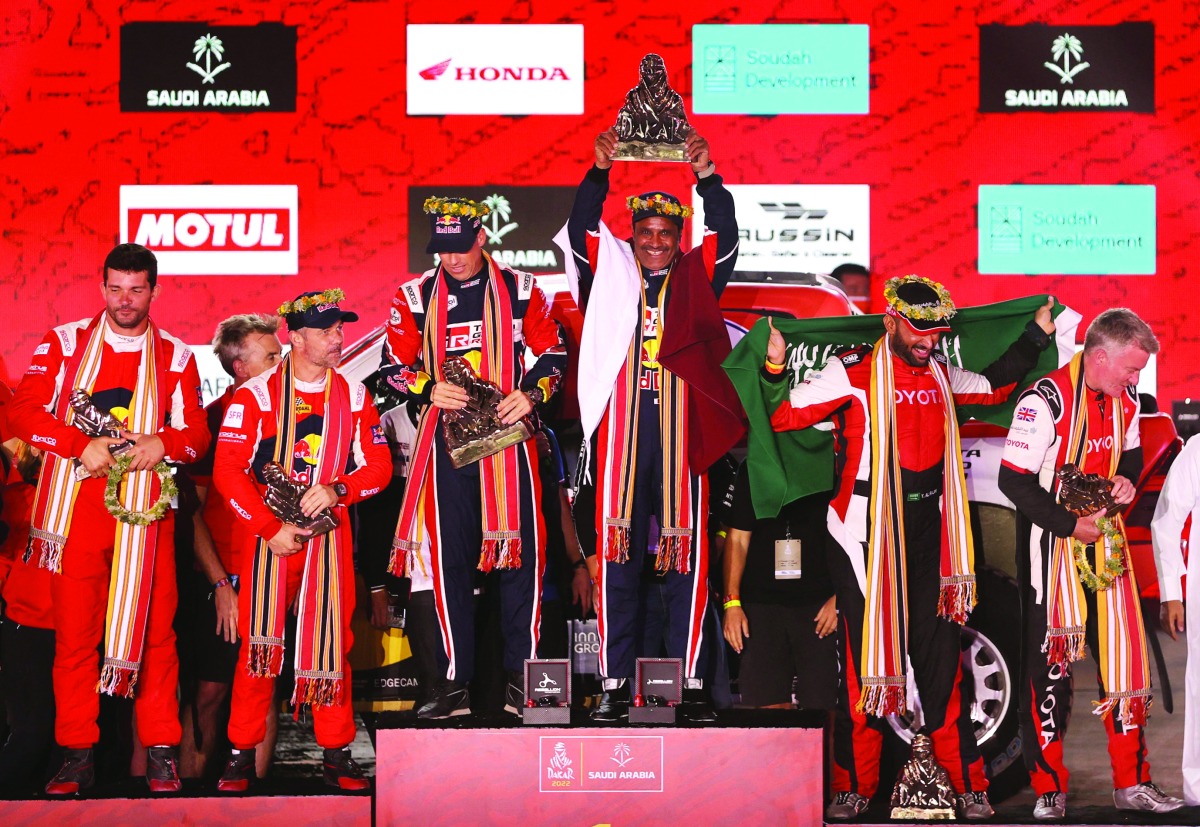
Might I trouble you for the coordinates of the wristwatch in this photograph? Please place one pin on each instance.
(341, 489)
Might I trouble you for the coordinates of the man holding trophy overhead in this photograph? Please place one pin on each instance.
(656, 408)
(112, 384)
(456, 341)
(298, 445)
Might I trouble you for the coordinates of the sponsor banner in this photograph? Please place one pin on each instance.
(1072, 229)
(195, 67)
(215, 230)
(1059, 68)
(519, 230)
(601, 763)
(797, 228)
(495, 70)
(775, 69)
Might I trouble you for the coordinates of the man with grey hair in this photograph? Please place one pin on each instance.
(1075, 575)
(246, 346)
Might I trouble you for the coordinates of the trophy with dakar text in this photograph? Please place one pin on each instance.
(652, 125)
(477, 431)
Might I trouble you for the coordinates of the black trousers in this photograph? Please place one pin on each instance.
(26, 660)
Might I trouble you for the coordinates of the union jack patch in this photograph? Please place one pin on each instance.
(1026, 414)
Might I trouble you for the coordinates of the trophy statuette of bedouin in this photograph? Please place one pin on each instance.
(1085, 494)
(923, 789)
(652, 125)
(94, 423)
(477, 431)
(283, 498)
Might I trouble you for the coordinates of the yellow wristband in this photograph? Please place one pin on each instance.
(773, 368)
(722, 533)
(729, 604)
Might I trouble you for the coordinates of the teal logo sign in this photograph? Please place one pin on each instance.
(1094, 230)
(781, 70)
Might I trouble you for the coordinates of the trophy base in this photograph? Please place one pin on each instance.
(117, 450)
(643, 151)
(922, 814)
(542, 716)
(493, 443)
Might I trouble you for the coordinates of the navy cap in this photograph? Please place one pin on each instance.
(454, 223)
(317, 310)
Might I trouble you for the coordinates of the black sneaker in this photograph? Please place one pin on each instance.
(342, 772)
(162, 770)
(239, 771)
(614, 705)
(696, 707)
(78, 772)
(447, 700)
(514, 693)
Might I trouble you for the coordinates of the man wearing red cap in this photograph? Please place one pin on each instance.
(657, 410)
(113, 556)
(484, 515)
(899, 512)
(324, 431)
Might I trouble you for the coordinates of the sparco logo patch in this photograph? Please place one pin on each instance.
(214, 230)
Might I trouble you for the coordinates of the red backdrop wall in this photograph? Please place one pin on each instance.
(65, 148)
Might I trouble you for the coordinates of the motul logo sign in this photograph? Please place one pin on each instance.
(214, 230)
(495, 70)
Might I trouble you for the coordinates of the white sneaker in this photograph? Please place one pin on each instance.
(1147, 798)
(846, 805)
(1050, 807)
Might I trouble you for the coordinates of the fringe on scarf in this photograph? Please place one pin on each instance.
(882, 696)
(957, 598)
(266, 658)
(1131, 707)
(674, 550)
(50, 549)
(400, 560)
(317, 689)
(501, 550)
(616, 542)
(118, 678)
(1064, 646)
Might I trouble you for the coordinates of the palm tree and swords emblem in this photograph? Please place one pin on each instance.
(208, 47)
(1064, 48)
(500, 211)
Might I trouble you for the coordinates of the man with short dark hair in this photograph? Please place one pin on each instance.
(246, 346)
(1077, 578)
(485, 515)
(906, 583)
(657, 410)
(855, 279)
(148, 381)
(324, 431)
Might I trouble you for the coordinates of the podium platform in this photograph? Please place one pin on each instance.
(131, 805)
(741, 770)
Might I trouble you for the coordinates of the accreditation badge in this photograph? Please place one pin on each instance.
(787, 558)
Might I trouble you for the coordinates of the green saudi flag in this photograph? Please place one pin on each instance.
(785, 466)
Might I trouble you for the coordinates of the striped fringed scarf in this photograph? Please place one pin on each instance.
(885, 627)
(1124, 668)
(319, 676)
(499, 474)
(134, 546)
(618, 459)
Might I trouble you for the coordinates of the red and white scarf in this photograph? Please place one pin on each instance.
(499, 474)
(885, 627)
(1124, 667)
(133, 546)
(320, 613)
